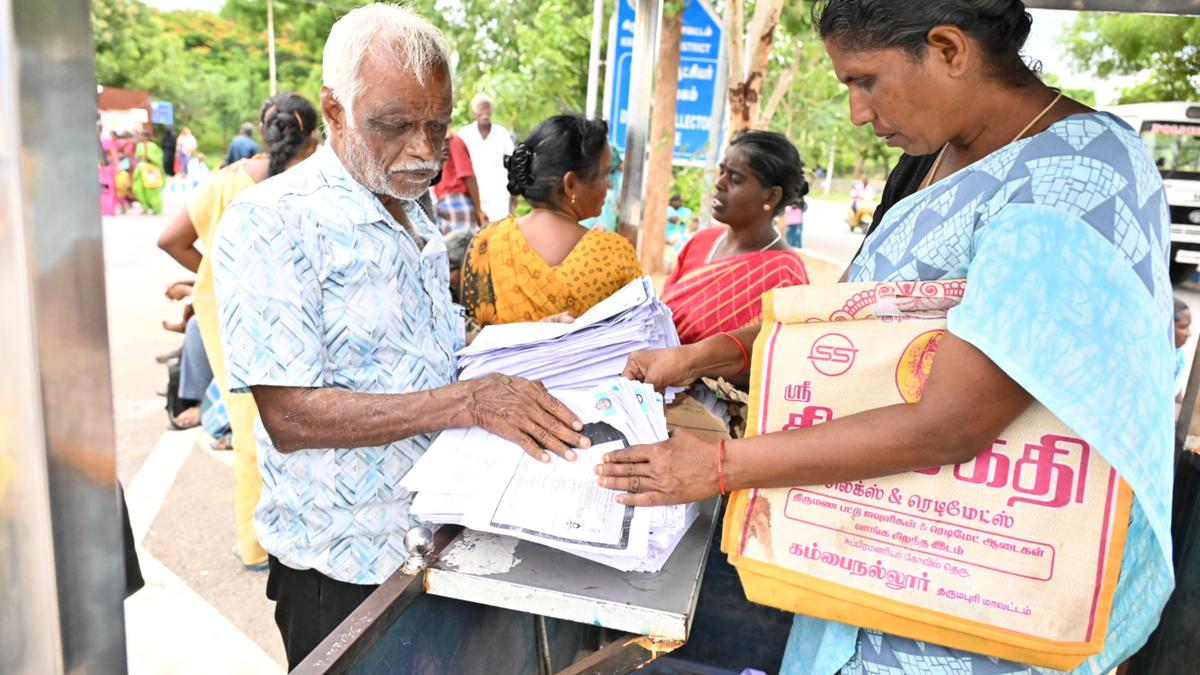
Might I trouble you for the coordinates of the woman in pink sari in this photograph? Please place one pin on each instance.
(723, 272)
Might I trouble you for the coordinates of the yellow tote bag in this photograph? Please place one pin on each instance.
(1014, 554)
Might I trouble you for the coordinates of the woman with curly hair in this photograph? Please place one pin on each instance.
(546, 263)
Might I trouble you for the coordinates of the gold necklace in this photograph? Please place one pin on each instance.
(556, 212)
(937, 163)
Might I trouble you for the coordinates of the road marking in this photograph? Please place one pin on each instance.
(169, 628)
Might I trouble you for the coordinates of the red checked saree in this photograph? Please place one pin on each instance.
(707, 298)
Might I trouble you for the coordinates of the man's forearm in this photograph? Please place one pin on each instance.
(300, 418)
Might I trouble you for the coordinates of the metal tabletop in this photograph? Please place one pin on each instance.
(552, 583)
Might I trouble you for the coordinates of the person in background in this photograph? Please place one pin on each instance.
(547, 263)
(948, 78)
(457, 244)
(333, 289)
(793, 221)
(186, 147)
(722, 272)
(607, 220)
(288, 128)
(168, 143)
(862, 204)
(197, 169)
(488, 144)
(458, 206)
(243, 146)
(149, 177)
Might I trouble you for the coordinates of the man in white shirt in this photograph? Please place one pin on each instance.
(488, 144)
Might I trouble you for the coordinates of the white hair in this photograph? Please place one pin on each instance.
(479, 100)
(379, 30)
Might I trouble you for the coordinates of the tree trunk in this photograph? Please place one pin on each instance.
(662, 143)
(734, 54)
(781, 88)
(746, 88)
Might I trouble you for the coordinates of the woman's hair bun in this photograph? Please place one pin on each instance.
(520, 169)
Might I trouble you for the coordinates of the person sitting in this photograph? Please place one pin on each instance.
(862, 205)
(547, 263)
(148, 176)
(722, 272)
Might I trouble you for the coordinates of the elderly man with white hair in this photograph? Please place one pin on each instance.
(488, 144)
(333, 291)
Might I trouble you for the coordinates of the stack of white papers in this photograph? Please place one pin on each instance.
(473, 478)
(579, 355)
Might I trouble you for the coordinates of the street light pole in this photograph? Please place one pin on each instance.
(271, 42)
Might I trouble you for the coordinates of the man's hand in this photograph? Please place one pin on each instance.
(676, 471)
(526, 414)
(661, 368)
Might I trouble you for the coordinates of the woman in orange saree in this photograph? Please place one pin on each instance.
(543, 264)
(723, 272)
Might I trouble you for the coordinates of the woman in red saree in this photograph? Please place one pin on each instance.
(723, 272)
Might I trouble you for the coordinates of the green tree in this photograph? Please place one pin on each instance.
(1163, 51)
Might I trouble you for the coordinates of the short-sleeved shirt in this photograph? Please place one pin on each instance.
(456, 170)
(242, 147)
(319, 286)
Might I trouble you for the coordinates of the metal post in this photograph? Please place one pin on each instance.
(716, 137)
(271, 42)
(57, 464)
(642, 69)
(594, 59)
(30, 641)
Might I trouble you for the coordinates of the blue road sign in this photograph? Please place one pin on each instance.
(699, 58)
(162, 112)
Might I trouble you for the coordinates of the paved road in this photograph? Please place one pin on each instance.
(200, 612)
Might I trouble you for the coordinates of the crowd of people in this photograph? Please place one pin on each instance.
(329, 281)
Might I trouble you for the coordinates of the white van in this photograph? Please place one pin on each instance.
(1172, 132)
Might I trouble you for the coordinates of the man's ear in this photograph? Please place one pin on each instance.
(335, 114)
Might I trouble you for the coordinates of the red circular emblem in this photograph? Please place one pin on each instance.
(832, 354)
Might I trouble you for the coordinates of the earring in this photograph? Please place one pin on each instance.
(572, 200)
(766, 207)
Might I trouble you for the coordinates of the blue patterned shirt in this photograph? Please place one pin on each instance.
(317, 285)
(1063, 238)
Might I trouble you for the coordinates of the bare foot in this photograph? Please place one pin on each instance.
(188, 418)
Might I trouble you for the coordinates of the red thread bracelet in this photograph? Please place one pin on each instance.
(745, 354)
(721, 466)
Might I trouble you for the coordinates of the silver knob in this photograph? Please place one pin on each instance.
(418, 541)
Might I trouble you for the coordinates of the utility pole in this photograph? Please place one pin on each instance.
(271, 42)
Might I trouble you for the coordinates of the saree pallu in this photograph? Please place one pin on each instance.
(1063, 238)
(727, 294)
(505, 281)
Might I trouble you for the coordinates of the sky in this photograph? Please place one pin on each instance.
(1043, 44)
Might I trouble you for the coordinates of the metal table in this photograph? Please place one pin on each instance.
(417, 623)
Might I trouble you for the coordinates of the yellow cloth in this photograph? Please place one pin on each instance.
(205, 209)
(505, 281)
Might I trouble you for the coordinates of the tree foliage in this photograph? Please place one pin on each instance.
(1163, 51)
(530, 56)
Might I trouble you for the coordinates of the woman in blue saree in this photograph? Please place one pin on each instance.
(1056, 216)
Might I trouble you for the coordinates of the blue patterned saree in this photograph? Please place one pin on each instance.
(1064, 238)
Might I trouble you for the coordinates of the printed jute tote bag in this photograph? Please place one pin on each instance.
(1014, 554)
